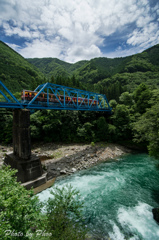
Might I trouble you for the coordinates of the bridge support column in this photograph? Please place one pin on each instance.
(29, 167)
(21, 133)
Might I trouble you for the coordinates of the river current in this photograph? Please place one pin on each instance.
(119, 196)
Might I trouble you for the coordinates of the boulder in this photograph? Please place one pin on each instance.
(155, 212)
(63, 171)
(74, 170)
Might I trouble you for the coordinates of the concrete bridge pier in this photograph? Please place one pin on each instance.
(29, 167)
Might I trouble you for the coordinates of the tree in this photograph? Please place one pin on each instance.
(102, 129)
(146, 129)
(86, 132)
(113, 103)
(142, 96)
(6, 122)
(19, 210)
(64, 211)
(121, 120)
(21, 214)
(126, 99)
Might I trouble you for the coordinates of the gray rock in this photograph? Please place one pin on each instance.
(63, 171)
(155, 212)
(74, 169)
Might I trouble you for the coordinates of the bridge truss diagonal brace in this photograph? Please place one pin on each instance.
(69, 98)
(56, 94)
(43, 87)
(10, 103)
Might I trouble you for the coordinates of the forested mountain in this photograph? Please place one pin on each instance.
(101, 73)
(55, 67)
(16, 72)
(104, 75)
(130, 83)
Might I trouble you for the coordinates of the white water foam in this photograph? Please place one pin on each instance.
(89, 183)
(116, 234)
(139, 221)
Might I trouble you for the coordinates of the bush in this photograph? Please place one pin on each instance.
(64, 214)
(21, 215)
(19, 212)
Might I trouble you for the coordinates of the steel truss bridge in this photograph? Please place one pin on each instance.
(78, 99)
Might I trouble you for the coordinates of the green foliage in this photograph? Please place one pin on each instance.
(92, 144)
(126, 99)
(64, 211)
(19, 210)
(21, 214)
(112, 133)
(121, 120)
(16, 72)
(146, 129)
(131, 81)
(102, 129)
(153, 54)
(6, 122)
(54, 126)
(142, 96)
(139, 64)
(104, 75)
(113, 103)
(55, 67)
(86, 133)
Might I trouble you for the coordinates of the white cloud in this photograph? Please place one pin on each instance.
(42, 48)
(79, 25)
(76, 53)
(148, 34)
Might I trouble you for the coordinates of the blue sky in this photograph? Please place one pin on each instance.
(74, 30)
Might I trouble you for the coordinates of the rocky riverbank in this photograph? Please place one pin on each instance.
(64, 159)
(60, 160)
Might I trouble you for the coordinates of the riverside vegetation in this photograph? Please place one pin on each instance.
(21, 213)
(135, 118)
(131, 85)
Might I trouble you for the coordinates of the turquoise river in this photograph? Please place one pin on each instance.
(119, 196)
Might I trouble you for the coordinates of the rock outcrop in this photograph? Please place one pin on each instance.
(155, 212)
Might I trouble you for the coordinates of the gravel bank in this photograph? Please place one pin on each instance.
(64, 159)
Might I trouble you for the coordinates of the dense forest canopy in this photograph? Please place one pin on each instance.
(131, 84)
(16, 72)
(101, 73)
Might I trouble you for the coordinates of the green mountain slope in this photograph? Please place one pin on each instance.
(153, 54)
(55, 67)
(98, 74)
(86, 71)
(16, 72)
(129, 71)
(100, 68)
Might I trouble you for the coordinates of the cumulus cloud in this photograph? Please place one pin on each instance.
(144, 36)
(76, 53)
(42, 48)
(76, 30)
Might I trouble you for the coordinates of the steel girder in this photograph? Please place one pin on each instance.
(7, 99)
(78, 99)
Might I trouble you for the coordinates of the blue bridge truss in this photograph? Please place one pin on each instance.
(57, 97)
